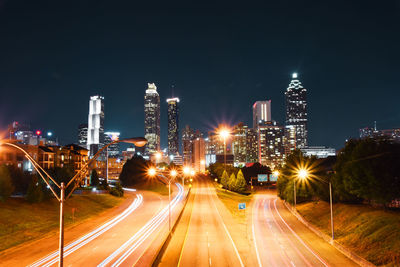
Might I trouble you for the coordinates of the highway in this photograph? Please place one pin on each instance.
(207, 241)
(279, 239)
(120, 241)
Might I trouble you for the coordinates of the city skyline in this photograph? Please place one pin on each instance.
(334, 67)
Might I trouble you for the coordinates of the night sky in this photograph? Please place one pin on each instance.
(218, 59)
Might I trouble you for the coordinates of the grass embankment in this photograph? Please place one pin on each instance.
(231, 200)
(372, 233)
(21, 221)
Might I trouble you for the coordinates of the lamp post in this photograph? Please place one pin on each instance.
(303, 174)
(137, 141)
(173, 173)
(224, 133)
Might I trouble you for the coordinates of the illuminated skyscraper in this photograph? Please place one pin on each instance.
(95, 135)
(251, 146)
(271, 150)
(82, 134)
(199, 155)
(261, 112)
(152, 119)
(113, 150)
(173, 126)
(239, 144)
(296, 111)
(187, 145)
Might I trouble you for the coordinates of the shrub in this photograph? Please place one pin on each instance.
(35, 192)
(117, 190)
(6, 187)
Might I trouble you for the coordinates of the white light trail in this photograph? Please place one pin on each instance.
(52, 258)
(139, 237)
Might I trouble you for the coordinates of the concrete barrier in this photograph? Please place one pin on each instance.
(161, 251)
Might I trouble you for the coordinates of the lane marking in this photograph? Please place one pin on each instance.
(276, 239)
(301, 241)
(254, 236)
(226, 229)
(187, 231)
(139, 237)
(73, 246)
(288, 238)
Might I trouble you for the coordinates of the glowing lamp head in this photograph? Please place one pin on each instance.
(186, 170)
(276, 173)
(303, 174)
(224, 133)
(192, 172)
(49, 134)
(152, 172)
(38, 132)
(158, 155)
(173, 173)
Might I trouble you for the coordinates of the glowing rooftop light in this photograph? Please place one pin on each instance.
(49, 134)
(294, 75)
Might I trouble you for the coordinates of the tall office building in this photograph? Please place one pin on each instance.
(95, 135)
(271, 150)
(251, 146)
(114, 149)
(187, 145)
(199, 155)
(173, 126)
(239, 144)
(82, 134)
(152, 119)
(296, 110)
(261, 112)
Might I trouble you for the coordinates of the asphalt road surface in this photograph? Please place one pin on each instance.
(121, 241)
(207, 241)
(281, 240)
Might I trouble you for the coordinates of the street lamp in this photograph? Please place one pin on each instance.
(303, 174)
(137, 141)
(173, 173)
(224, 133)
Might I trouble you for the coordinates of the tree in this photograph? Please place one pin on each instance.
(35, 191)
(103, 185)
(305, 190)
(94, 178)
(6, 187)
(368, 169)
(225, 179)
(241, 185)
(254, 170)
(232, 182)
(134, 171)
(19, 179)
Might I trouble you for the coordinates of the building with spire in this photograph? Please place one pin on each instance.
(173, 126)
(152, 119)
(296, 113)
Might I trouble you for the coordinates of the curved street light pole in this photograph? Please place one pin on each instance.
(137, 141)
